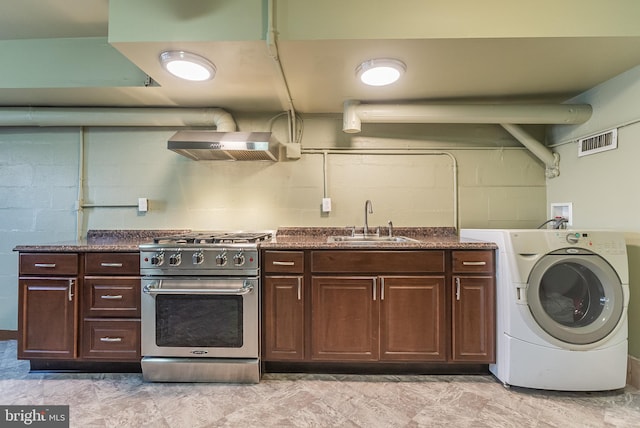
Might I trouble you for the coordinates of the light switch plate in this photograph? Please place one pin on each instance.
(143, 205)
(326, 205)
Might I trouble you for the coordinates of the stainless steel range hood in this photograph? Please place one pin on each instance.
(212, 145)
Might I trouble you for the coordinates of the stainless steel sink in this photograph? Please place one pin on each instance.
(369, 239)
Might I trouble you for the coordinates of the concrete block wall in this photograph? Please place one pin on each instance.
(38, 189)
(39, 184)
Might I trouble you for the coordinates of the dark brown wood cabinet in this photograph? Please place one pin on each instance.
(473, 307)
(413, 318)
(283, 308)
(379, 306)
(345, 316)
(111, 307)
(48, 306)
(396, 313)
(79, 306)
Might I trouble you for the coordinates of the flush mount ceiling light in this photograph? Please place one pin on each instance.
(380, 72)
(187, 66)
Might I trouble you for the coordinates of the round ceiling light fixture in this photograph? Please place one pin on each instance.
(188, 66)
(380, 72)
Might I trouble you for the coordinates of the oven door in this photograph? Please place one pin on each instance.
(206, 317)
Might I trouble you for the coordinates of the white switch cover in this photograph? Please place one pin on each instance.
(143, 205)
(326, 205)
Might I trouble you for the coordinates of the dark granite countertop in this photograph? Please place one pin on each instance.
(285, 238)
(316, 238)
(101, 241)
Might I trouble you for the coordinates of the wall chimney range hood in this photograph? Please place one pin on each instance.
(212, 145)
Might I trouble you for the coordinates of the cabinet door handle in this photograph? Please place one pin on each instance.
(110, 339)
(381, 288)
(374, 288)
(72, 282)
(111, 264)
(474, 263)
(111, 297)
(299, 288)
(45, 265)
(457, 288)
(278, 263)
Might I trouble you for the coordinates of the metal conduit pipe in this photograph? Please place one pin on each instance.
(107, 116)
(551, 160)
(386, 152)
(355, 113)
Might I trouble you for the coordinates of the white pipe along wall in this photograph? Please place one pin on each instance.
(504, 114)
(107, 116)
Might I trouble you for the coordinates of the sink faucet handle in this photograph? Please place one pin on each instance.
(390, 226)
(353, 230)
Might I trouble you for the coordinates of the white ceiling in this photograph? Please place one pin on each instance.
(320, 73)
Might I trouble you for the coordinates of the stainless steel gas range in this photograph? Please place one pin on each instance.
(200, 307)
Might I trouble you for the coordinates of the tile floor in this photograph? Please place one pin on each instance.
(279, 400)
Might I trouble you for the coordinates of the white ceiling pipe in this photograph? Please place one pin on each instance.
(356, 113)
(539, 150)
(107, 116)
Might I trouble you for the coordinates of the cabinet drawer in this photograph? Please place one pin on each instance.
(111, 297)
(112, 264)
(473, 261)
(368, 262)
(111, 339)
(48, 264)
(284, 261)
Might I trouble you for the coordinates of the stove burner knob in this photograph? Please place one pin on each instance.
(157, 259)
(197, 258)
(238, 259)
(175, 259)
(221, 259)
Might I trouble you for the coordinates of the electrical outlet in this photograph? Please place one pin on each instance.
(143, 205)
(326, 205)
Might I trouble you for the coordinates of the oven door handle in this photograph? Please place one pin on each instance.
(156, 288)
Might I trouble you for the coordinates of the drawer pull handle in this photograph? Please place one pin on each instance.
(278, 263)
(45, 265)
(474, 263)
(299, 288)
(110, 339)
(111, 297)
(457, 288)
(375, 285)
(111, 264)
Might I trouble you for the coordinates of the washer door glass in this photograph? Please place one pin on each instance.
(577, 299)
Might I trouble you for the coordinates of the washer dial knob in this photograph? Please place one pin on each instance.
(573, 238)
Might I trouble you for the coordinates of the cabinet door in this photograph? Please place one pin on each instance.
(345, 318)
(48, 322)
(473, 319)
(412, 318)
(283, 326)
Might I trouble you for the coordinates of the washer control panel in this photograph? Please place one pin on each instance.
(599, 242)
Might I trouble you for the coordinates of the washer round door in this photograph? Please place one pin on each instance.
(575, 296)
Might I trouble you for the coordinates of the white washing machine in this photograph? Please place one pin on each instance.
(561, 307)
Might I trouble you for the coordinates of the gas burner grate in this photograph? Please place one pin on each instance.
(214, 238)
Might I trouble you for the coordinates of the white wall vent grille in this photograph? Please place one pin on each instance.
(607, 140)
